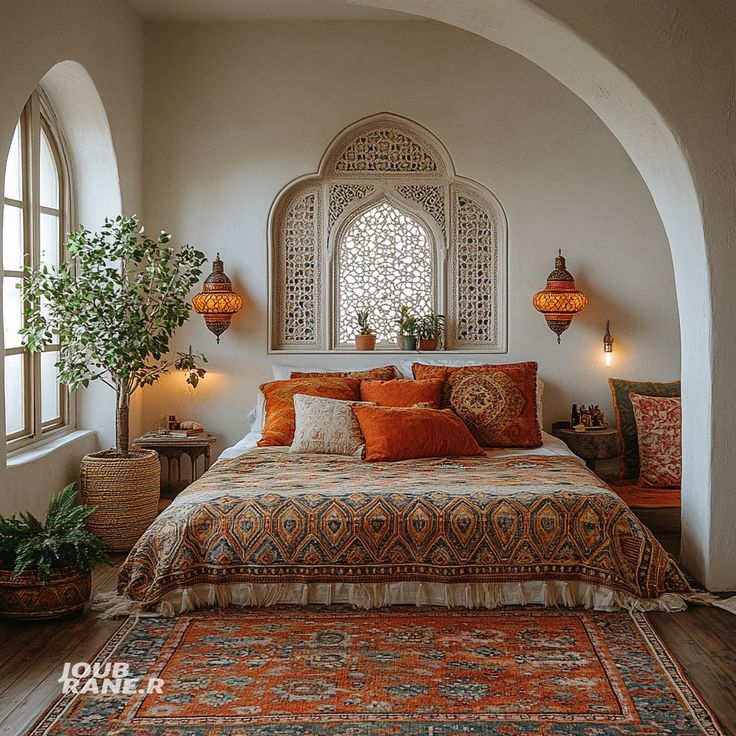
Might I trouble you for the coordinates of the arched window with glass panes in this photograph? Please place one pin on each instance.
(36, 216)
(385, 223)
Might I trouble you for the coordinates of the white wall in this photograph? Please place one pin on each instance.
(105, 38)
(233, 112)
(660, 75)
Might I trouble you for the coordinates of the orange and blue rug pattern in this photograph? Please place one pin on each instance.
(392, 672)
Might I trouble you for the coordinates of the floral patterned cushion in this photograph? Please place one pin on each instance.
(628, 442)
(659, 426)
(326, 427)
(280, 421)
(497, 402)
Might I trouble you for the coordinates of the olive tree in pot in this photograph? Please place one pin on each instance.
(113, 306)
(45, 568)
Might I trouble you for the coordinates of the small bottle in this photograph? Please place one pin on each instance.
(574, 417)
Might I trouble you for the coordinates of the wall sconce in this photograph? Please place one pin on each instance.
(561, 300)
(217, 301)
(608, 346)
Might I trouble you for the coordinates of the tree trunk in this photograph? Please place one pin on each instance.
(122, 437)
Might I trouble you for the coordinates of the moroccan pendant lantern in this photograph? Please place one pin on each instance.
(561, 300)
(217, 301)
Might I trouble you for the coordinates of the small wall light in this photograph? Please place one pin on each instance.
(608, 346)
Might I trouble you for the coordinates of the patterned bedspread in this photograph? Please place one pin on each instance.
(270, 516)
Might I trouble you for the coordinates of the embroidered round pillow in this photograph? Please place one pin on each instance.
(498, 403)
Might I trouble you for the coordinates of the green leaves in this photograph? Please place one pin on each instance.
(27, 545)
(114, 306)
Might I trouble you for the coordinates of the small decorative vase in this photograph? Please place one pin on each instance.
(125, 491)
(27, 598)
(410, 342)
(365, 342)
(425, 345)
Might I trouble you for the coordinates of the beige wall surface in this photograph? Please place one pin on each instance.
(661, 76)
(233, 112)
(105, 39)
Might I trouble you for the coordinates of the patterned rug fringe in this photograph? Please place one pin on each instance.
(551, 593)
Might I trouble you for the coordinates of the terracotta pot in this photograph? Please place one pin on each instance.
(25, 597)
(125, 491)
(365, 342)
(429, 344)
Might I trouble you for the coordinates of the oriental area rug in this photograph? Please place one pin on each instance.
(291, 671)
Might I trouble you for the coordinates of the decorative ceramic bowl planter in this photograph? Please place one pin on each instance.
(425, 345)
(365, 342)
(26, 597)
(409, 342)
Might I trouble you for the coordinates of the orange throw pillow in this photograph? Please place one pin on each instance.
(402, 433)
(280, 421)
(386, 373)
(497, 402)
(403, 392)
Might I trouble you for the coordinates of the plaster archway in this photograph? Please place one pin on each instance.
(85, 126)
(707, 535)
(83, 120)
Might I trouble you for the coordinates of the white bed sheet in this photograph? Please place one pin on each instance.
(550, 446)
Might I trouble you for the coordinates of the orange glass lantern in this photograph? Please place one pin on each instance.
(561, 300)
(217, 302)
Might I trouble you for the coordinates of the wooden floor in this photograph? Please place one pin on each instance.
(702, 639)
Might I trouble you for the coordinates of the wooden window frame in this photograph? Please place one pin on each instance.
(36, 118)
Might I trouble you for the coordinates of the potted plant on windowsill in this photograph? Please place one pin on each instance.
(365, 339)
(430, 329)
(113, 306)
(45, 568)
(407, 323)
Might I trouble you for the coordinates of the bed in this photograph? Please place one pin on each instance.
(265, 526)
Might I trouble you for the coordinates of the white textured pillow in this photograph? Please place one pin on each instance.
(326, 426)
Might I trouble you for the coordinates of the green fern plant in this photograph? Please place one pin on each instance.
(28, 545)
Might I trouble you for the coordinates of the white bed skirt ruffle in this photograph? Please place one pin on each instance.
(556, 593)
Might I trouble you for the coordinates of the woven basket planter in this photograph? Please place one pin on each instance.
(25, 597)
(125, 491)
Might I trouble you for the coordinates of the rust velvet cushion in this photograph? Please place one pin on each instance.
(404, 433)
(385, 373)
(403, 392)
(280, 416)
(497, 402)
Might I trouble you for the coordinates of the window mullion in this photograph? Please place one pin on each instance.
(35, 246)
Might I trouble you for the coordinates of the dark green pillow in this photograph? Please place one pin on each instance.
(628, 439)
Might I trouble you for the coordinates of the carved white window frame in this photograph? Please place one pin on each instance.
(387, 157)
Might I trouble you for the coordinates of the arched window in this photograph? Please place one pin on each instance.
(386, 222)
(385, 260)
(36, 217)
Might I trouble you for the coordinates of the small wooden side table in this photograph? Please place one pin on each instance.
(591, 445)
(173, 449)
